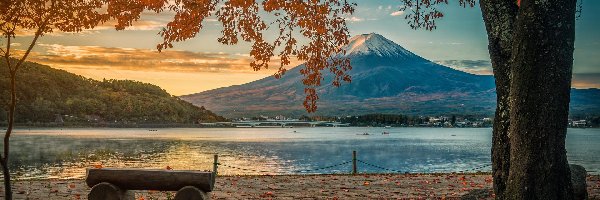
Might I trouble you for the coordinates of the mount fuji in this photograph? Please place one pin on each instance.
(386, 78)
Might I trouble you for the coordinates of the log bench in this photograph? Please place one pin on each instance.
(115, 184)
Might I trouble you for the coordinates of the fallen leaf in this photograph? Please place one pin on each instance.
(267, 194)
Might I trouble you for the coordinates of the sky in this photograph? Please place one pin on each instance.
(202, 63)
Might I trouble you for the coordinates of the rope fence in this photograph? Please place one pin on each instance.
(354, 170)
(321, 168)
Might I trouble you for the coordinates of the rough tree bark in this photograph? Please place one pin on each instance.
(542, 63)
(499, 17)
(531, 49)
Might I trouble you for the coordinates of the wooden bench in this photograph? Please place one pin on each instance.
(114, 184)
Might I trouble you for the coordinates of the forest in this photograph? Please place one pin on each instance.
(52, 96)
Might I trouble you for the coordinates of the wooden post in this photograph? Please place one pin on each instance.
(215, 166)
(353, 162)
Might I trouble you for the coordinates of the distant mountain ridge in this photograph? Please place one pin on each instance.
(386, 78)
(47, 95)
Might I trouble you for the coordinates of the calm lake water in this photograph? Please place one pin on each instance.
(56, 153)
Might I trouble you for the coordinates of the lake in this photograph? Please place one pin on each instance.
(66, 153)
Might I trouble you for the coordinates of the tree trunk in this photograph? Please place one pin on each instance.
(499, 17)
(541, 69)
(11, 115)
(7, 187)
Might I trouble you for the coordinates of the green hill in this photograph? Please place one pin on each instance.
(47, 95)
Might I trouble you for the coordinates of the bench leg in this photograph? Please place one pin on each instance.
(190, 193)
(107, 191)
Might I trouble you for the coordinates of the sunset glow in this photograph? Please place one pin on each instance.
(203, 63)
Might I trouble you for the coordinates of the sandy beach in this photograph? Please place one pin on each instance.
(364, 186)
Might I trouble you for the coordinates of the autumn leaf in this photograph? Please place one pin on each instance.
(267, 194)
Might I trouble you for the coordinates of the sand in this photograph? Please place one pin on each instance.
(372, 186)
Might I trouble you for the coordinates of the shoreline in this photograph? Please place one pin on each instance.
(176, 125)
(313, 186)
(51, 125)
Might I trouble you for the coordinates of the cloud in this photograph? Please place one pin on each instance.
(482, 67)
(586, 80)
(140, 25)
(109, 58)
(397, 13)
(355, 19)
(148, 21)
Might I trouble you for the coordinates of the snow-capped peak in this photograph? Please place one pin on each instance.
(374, 43)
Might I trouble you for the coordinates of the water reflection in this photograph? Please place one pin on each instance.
(55, 153)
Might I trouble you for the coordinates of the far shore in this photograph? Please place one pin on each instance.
(157, 126)
(362, 186)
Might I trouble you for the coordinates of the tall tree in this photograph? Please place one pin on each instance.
(321, 23)
(36, 18)
(531, 47)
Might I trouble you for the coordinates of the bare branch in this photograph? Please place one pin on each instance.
(7, 52)
(38, 33)
(35, 38)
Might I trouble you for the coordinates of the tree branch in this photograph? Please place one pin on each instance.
(37, 35)
(7, 51)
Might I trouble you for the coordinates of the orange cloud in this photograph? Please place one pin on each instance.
(480, 67)
(95, 57)
(591, 80)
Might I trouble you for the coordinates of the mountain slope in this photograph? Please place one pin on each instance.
(386, 78)
(46, 95)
